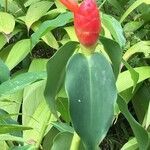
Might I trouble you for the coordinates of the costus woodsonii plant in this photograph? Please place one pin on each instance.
(86, 21)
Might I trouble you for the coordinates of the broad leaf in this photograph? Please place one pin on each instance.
(19, 51)
(7, 23)
(90, 85)
(36, 11)
(55, 73)
(115, 29)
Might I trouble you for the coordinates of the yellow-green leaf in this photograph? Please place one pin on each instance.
(7, 23)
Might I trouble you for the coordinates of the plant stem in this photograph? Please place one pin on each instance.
(6, 5)
(75, 142)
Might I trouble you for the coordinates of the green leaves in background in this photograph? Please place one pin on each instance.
(123, 83)
(20, 81)
(7, 23)
(55, 73)
(114, 28)
(140, 133)
(114, 52)
(4, 72)
(46, 26)
(21, 49)
(90, 86)
(36, 11)
(132, 7)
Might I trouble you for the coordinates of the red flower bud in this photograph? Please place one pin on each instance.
(86, 20)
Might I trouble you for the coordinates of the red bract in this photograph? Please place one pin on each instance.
(86, 20)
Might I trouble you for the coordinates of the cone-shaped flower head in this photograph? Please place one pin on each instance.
(86, 21)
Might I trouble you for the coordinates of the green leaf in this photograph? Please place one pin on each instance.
(114, 52)
(130, 145)
(3, 40)
(55, 75)
(131, 8)
(115, 29)
(20, 81)
(18, 52)
(133, 26)
(60, 141)
(139, 132)
(46, 26)
(36, 11)
(11, 128)
(134, 74)
(49, 137)
(140, 47)
(7, 23)
(90, 85)
(123, 83)
(7, 137)
(141, 103)
(4, 72)
(63, 127)
(48, 38)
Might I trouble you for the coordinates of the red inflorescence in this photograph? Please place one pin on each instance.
(86, 20)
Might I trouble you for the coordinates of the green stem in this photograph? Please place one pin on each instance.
(44, 127)
(6, 5)
(75, 142)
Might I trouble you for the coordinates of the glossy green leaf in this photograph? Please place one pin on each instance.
(140, 133)
(19, 51)
(46, 26)
(48, 38)
(63, 108)
(130, 145)
(11, 128)
(90, 85)
(20, 81)
(123, 83)
(36, 11)
(63, 127)
(115, 29)
(7, 23)
(4, 72)
(140, 47)
(134, 74)
(60, 141)
(114, 52)
(55, 73)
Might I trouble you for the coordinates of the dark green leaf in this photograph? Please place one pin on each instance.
(139, 132)
(55, 73)
(90, 85)
(4, 72)
(114, 52)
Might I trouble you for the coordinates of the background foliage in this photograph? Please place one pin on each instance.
(38, 35)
